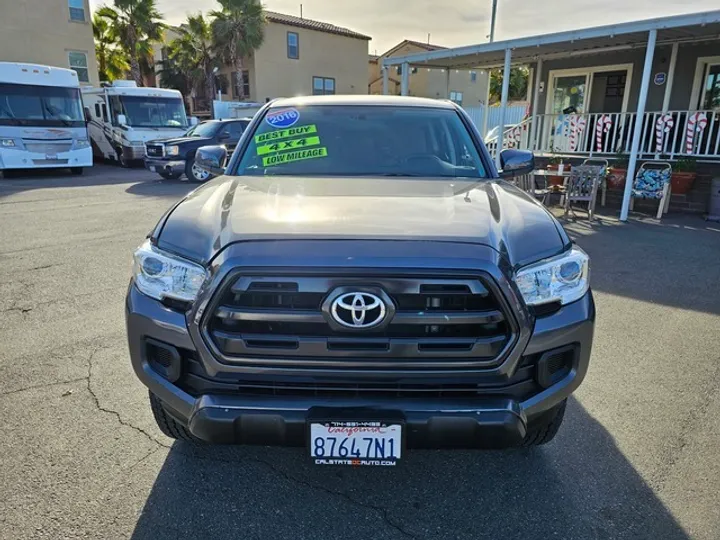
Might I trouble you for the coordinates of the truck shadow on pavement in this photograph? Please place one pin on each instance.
(578, 486)
(673, 263)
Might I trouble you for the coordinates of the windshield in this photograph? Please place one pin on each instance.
(143, 111)
(347, 140)
(31, 105)
(206, 129)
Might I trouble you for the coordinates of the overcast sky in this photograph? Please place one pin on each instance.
(459, 22)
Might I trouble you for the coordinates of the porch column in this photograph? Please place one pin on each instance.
(639, 117)
(670, 77)
(486, 106)
(503, 105)
(447, 84)
(535, 100)
(385, 70)
(405, 80)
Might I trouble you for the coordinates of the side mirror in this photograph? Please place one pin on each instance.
(87, 115)
(211, 159)
(193, 121)
(516, 163)
(122, 120)
(224, 136)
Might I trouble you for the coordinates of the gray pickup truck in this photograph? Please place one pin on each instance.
(360, 281)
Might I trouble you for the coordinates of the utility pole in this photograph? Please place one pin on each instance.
(492, 20)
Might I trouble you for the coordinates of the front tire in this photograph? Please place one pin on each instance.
(77, 171)
(167, 424)
(123, 161)
(546, 432)
(195, 173)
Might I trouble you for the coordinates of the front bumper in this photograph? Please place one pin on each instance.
(22, 159)
(165, 166)
(484, 421)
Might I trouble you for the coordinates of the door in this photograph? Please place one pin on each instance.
(569, 93)
(710, 97)
(230, 135)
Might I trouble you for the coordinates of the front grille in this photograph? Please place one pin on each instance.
(41, 147)
(196, 382)
(264, 319)
(154, 150)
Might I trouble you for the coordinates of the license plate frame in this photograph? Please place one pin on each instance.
(352, 429)
(152, 168)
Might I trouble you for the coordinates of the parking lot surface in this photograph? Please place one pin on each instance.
(80, 456)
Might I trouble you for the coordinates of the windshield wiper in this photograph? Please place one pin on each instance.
(54, 116)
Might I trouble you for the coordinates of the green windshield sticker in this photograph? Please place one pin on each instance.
(285, 133)
(298, 155)
(291, 144)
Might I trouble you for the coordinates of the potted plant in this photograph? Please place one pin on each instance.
(617, 171)
(554, 164)
(683, 176)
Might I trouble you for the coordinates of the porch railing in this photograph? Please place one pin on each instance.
(670, 135)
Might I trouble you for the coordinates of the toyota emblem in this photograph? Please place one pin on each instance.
(358, 310)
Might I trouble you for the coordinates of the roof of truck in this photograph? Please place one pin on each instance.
(368, 100)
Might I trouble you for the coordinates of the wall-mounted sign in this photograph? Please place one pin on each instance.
(660, 78)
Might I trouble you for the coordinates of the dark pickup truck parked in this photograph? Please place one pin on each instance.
(360, 280)
(171, 158)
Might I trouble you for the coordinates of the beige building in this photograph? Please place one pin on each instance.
(298, 57)
(465, 87)
(49, 32)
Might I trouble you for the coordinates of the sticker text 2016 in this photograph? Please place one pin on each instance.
(286, 157)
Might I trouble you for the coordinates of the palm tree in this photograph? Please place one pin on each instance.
(112, 60)
(137, 24)
(238, 29)
(192, 53)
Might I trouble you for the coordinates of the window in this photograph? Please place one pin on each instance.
(245, 84)
(293, 45)
(710, 99)
(97, 110)
(398, 70)
(456, 97)
(473, 76)
(77, 10)
(346, 140)
(323, 86)
(145, 111)
(30, 105)
(78, 62)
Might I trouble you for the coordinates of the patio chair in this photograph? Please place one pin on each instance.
(582, 186)
(529, 185)
(653, 182)
(603, 179)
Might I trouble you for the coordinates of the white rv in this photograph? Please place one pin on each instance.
(41, 119)
(124, 117)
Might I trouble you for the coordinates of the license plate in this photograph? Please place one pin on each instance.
(51, 156)
(371, 443)
(152, 168)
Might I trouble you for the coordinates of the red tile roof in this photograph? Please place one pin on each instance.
(291, 20)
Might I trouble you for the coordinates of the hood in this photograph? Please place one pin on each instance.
(150, 134)
(490, 212)
(180, 140)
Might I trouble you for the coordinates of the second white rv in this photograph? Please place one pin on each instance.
(124, 117)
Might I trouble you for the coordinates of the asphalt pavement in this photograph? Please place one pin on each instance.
(80, 456)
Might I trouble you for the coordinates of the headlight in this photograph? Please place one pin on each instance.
(162, 275)
(172, 150)
(565, 278)
(8, 143)
(82, 143)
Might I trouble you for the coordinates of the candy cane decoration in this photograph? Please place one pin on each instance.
(603, 126)
(577, 126)
(662, 126)
(697, 122)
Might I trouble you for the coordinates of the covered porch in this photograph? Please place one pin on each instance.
(627, 92)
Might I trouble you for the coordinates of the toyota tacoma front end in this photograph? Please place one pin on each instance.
(360, 282)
